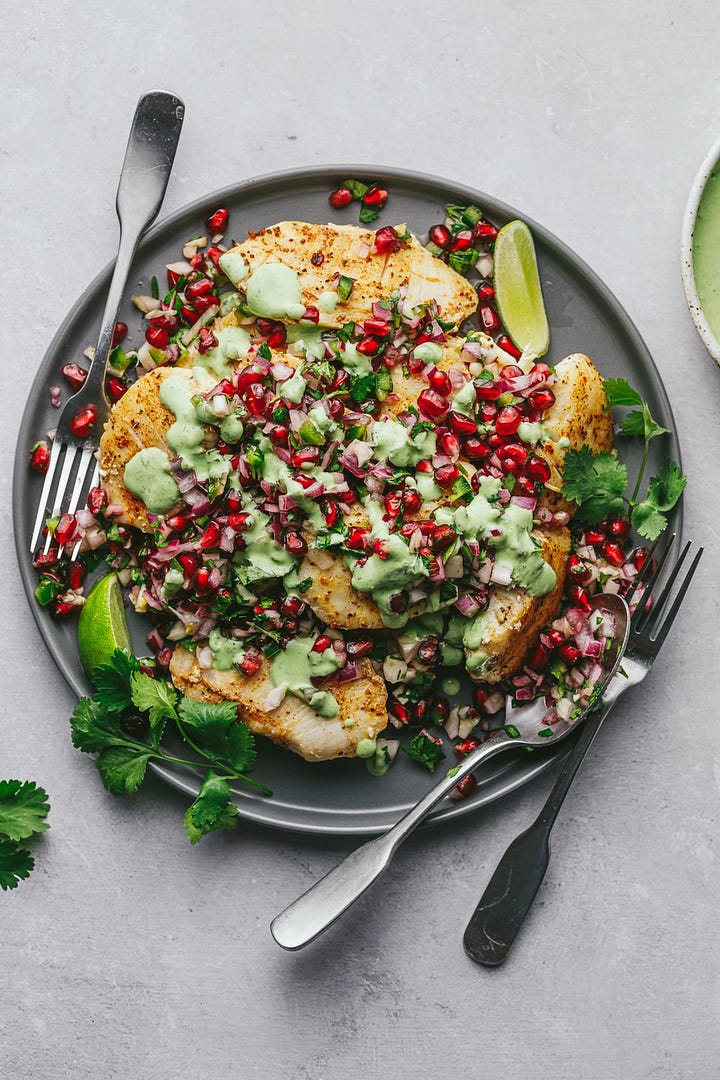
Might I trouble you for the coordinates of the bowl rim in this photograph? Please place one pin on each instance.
(712, 158)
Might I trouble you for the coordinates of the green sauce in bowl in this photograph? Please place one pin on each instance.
(706, 251)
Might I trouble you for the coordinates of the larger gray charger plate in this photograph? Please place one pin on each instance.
(584, 316)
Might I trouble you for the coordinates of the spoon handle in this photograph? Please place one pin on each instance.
(325, 901)
(509, 894)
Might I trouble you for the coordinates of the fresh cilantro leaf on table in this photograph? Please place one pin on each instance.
(598, 481)
(23, 809)
(107, 725)
(425, 750)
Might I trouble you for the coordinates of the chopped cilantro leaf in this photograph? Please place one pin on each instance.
(425, 750)
(112, 681)
(356, 188)
(369, 214)
(213, 809)
(665, 489)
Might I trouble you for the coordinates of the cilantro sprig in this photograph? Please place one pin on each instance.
(23, 809)
(108, 724)
(598, 482)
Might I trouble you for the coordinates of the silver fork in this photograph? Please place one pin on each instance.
(509, 895)
(149, 157)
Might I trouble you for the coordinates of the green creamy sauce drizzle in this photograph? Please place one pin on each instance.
(465, 401)
(393, 443)
(273, 291)
(706, 251)
(307, 336)
(355, 362)
(147, 475)
(382, 578)
(226, 652)
(187, 434)
(232, 343)
(327, 302)
(233, 266)
(325, 424)
(277, 472)
(261, 558)
(293, 388)
(429, 352)
(297, 665)
(232, 428)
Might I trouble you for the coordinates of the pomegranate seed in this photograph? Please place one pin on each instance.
(157, 336)
(594, 537)
(44, 560)
(462, 749)
(375, 196)
(39, 457)
(613, 553)
(368, 346)
(538, 659)
(76, 574)
(411, 500)
(277, 339)
(464, 788)
(541, 371)
(295, 543)
(512, 371)
(393, 503)
(214, 253)
(177, 523)
(280, 435)
(507, 346)
(202, 303)
(340, 197)
(570, 653)
(640, 556)
(485, 231)
(432, 404)
(97, 500)
(115, 388)
(322, 644)
(356, 539)
(387, 241)
(206, 341)
(524, 486)
(542, 400)
(399, 712)
(84, 421)
(380, 549)
(189, 564)
(211, 537)
(198, 261)
(291, 607)
(255, 400)
(489, 319)
(311, 314)
(339, 382)
(495, 441)
(65, 529)
(359, 648)
(308, 481)
(201, 287)
(439, 381)
(443, 537)
(119, 333)
(398, 603)
(515, 452)
(462, 240)
(376, 327)
(265, 326)
(579, 597)
(487, 391)
(555, 637)
(619, 527)
(250, 664)
(449, 444)
(330, 513)
(508, 420)
(415, 365)
(247, 378)
(239, 522)
(201, 581)
(475, 449)
(309, 455)
(74, 374)
(537, 470)
(446, 475)
(233, 502)
(460, 424)
(440, 236)
(424, 467)
(429, 651)
(485, 291)
(217, 222)
(189, 314)
(578, 571)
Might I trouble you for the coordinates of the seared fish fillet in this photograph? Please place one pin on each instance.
(293, 724)
(138, 420)
(346, 249)
(514, 619)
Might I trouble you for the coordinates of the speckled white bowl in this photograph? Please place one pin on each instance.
(686, 253)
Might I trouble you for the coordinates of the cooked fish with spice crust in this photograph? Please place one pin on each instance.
(293, 724)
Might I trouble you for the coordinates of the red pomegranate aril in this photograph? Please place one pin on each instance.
(217, 222)
(292, 607)
(177, 523)
(277, 339)
(464, 788)
(387, 241)
(446, 475)
(443, 537)
(203, 303)
(39, 457)
(440, 236)
(378, 327)
(475, 449)
(415, 365)
(556, 638)
(578, 571)
(439, 381)
(507, 346)
(398, 602)
(640, 556)
(515, 452)
(425, 467)
(198, 261)
(119, 333)
(74, 374)
(65, 529)
(280, 435)
(206, 341)
(579, 597)
(330, 513)
(189, 563)
(250, 664)
(508, 420)
(157, 336)
(496, 441)
(399, 712)
(411, 500)
(201, 287)
(340, 382)
(449, 444)
(380, 549)
(488, 412)
(375, 196)
(462, 749)
(485, 291)
(322, 644)
(487, 391)
(613, 553)
(540, 371)
(594, 537)
(265, 326)
(432, 404)
(489, 318)
(211, 537)
(368, 346)
(239, 522)
(233, 502)
(539, 657)
(393, 503)
(340, 197)
(97, 500)
(295, 543)
(84, 421)
(460, 424)
(189, 314)
(524, 486)
(247, 378)
(485, 231)
(537, 470)
(429, 651)
(115, 388)
(201, 581)
(312, 314)
(619, 527)
(255, 400)
(213, 254)
(309, 455)
(570, 653)
(76, 574)
(359, 648)
(356, 539)
(308, 481)
(542, 400)
(462, 240)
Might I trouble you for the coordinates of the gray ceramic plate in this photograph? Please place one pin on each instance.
(340, 796)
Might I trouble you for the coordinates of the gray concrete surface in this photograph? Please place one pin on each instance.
(129, 953)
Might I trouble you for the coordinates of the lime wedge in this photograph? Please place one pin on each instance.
(518, 293)
(102, 626)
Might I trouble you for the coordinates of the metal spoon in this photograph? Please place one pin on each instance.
(318, 908)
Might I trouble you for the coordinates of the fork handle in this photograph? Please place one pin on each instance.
(509, 894)
(149, 158)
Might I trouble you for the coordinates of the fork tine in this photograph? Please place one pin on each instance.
(650, 571)
(668, 619)
(45, 494)
(70, 455)
(94, 481)
(83, 466)
(655, 610)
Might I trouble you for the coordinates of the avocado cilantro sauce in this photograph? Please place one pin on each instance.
(147, 476)
(296, 667)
